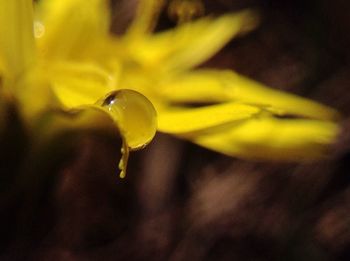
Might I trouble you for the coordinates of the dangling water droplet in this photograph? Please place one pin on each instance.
(134, 114)
(136, 119)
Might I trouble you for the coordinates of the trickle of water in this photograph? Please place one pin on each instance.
(123, 163)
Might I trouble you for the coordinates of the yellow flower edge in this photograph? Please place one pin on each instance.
(74, 61)
(268, 138)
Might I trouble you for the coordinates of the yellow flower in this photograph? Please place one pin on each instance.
(36, 65)
(74, 60)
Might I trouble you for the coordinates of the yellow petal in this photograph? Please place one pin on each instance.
(268, 138)
(218, 86)
(197, 86)
(191, 43)
(35, 95)
(16, 36)
(280, 102)
(71, 28)
(185, 121)
(77, 84)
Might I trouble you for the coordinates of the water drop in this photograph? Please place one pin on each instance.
(134, 114)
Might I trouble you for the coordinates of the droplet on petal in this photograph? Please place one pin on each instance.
(134, 114)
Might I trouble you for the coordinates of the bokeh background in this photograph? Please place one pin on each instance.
(183, 202)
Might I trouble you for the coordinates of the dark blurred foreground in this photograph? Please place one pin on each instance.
(181, 202)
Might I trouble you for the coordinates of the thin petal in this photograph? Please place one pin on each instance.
(218, 86)
(185, 121)
(268, 138)
(191, 43)
(71, 28)
(35, 94)
(197, 86)
(77, 84)
(16, 36)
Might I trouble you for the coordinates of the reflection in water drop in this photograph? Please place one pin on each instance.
(39, 29)
(135, 117)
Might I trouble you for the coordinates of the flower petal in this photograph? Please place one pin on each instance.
(77, 84)
(185, 121)
(71, 28)
(191, 43)
(219, 86)
(274, 139)
(16, 36)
